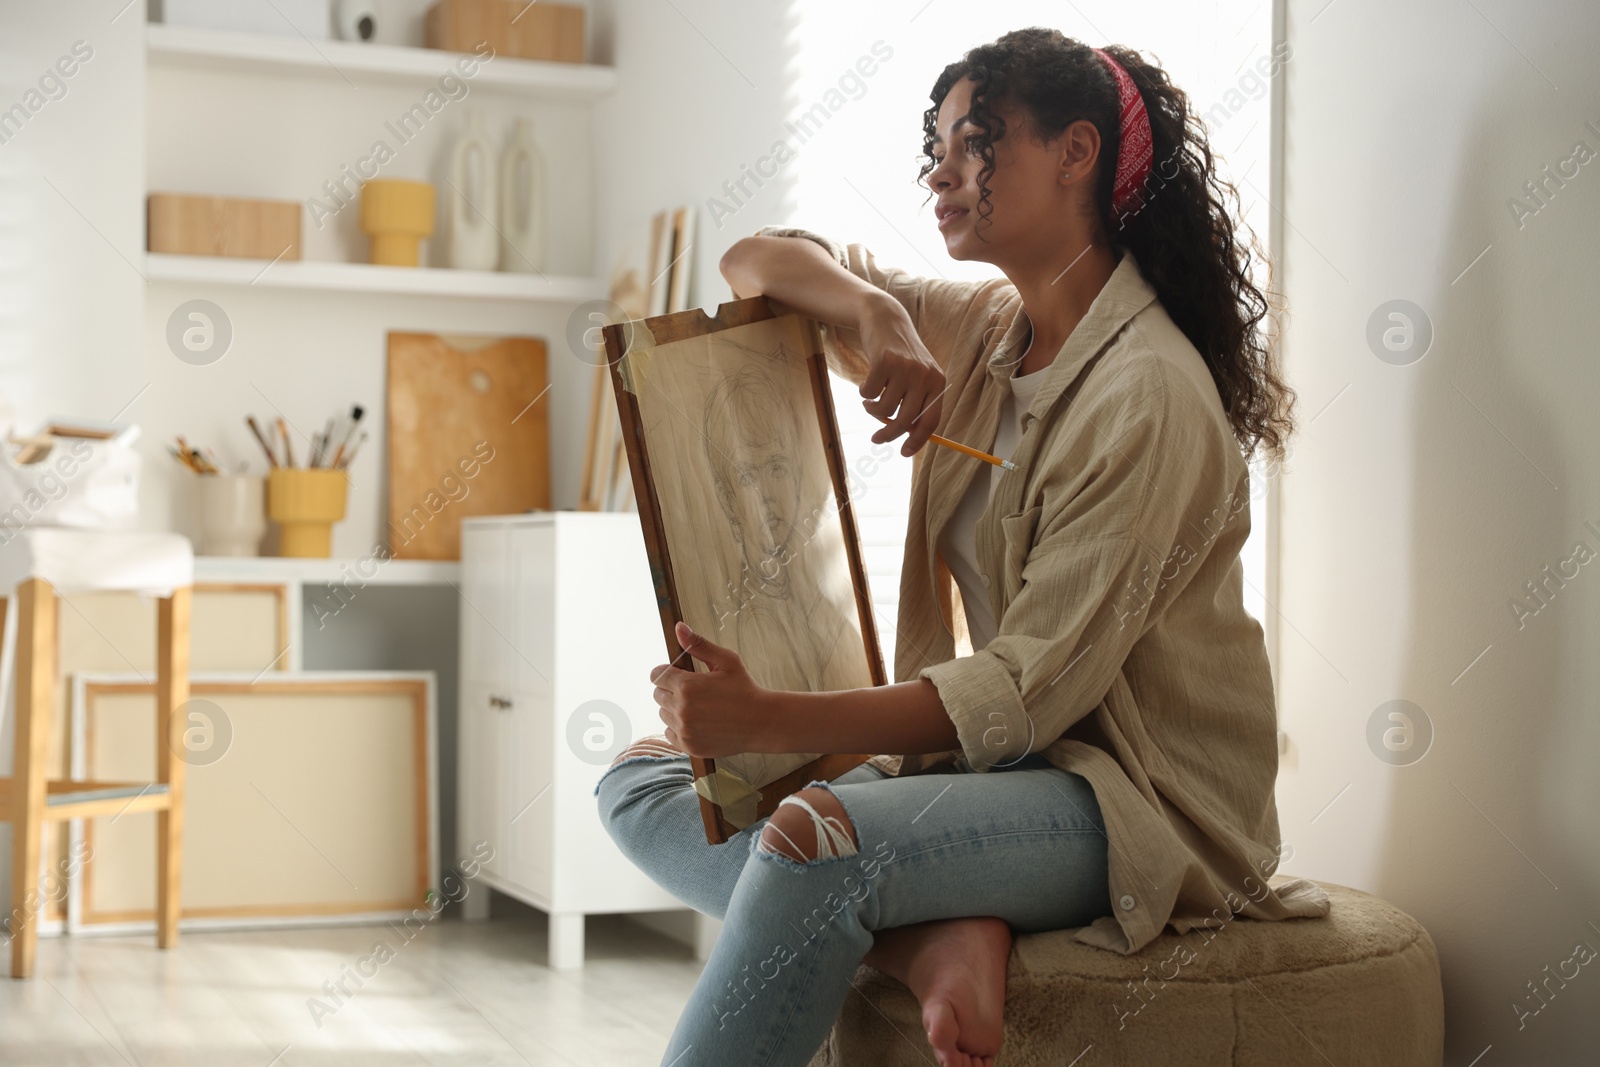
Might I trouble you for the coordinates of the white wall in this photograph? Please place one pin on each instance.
(699, 87)
(71, 227)
(71, 223)
(1422, 497)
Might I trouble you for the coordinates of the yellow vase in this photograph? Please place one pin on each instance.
(397, 215)
(305, 503)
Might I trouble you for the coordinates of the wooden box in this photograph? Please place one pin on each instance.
(222, 226)
(551, 32)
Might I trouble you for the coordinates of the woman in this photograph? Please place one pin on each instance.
(1104, 758)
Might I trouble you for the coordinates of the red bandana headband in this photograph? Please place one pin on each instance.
(1136, 150)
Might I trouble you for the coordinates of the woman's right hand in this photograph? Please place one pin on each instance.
(904, 384)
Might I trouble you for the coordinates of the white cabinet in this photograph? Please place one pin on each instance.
(557, 611)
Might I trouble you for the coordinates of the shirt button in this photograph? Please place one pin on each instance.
(985, 578)
(1126, 902)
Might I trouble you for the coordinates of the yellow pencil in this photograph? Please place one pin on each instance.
(968, 450)
(973, 452)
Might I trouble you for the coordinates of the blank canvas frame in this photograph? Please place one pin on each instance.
(322, 807)
(734, 452)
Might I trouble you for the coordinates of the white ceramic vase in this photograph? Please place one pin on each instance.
(233, 514)
(522, 196)
(356, 20)
(470, 203)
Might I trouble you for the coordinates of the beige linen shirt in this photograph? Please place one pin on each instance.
(1111, 557)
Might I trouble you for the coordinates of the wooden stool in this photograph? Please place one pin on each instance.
(38, 563)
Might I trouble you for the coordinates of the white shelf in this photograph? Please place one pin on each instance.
(365, 278)
(229, 51)
(370, 571)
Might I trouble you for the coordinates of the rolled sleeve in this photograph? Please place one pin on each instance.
(1088, 586)
(981, 697)
(939, 307)
(834, 248)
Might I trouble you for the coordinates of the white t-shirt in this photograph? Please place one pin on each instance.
(958, 546)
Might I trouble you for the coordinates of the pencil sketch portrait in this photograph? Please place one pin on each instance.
(751, 521)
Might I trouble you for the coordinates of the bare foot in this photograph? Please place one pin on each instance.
(957, 969)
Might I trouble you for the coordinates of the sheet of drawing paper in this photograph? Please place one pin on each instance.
(752, 524)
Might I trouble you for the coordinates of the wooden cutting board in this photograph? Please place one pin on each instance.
(469, 434)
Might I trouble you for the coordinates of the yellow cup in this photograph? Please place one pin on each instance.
(397, 215)
(305, 503)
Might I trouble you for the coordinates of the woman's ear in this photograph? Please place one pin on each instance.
(1080, 148)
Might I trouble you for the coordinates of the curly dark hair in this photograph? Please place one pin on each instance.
(1183, 235)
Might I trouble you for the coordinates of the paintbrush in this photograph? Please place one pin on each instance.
(356, 411)
(190, 457)
(261, 438)
(319, 444)
(288, 448)
(182, 457)
(349, 457)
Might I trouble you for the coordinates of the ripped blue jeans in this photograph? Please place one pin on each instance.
(1026, 843)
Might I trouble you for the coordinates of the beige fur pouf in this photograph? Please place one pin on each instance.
(1358, 987)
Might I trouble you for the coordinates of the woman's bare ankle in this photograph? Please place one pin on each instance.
(894, 948)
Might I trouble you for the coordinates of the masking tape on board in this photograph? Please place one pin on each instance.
(635, 362)
(737, 797)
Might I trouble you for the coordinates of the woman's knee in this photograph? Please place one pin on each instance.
(654, 745)
(809, 826)
(645, 771)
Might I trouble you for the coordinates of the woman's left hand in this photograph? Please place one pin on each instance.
(712, 713)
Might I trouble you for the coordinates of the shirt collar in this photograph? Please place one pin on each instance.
(1124, 295)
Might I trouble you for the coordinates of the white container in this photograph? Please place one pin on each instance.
(356, 20)
(80, 482)
(289, 18)
(233, 514)
(470, 200)
(522, 195)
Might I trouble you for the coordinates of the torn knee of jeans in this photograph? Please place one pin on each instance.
(646, 750)
(808, 827)
(647, 747)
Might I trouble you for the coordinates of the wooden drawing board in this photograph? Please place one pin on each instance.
(733, 448)
(454, 400)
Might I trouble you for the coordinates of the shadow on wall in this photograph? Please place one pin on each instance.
(1491, 843)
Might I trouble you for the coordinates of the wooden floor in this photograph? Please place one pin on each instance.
(457, 993)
